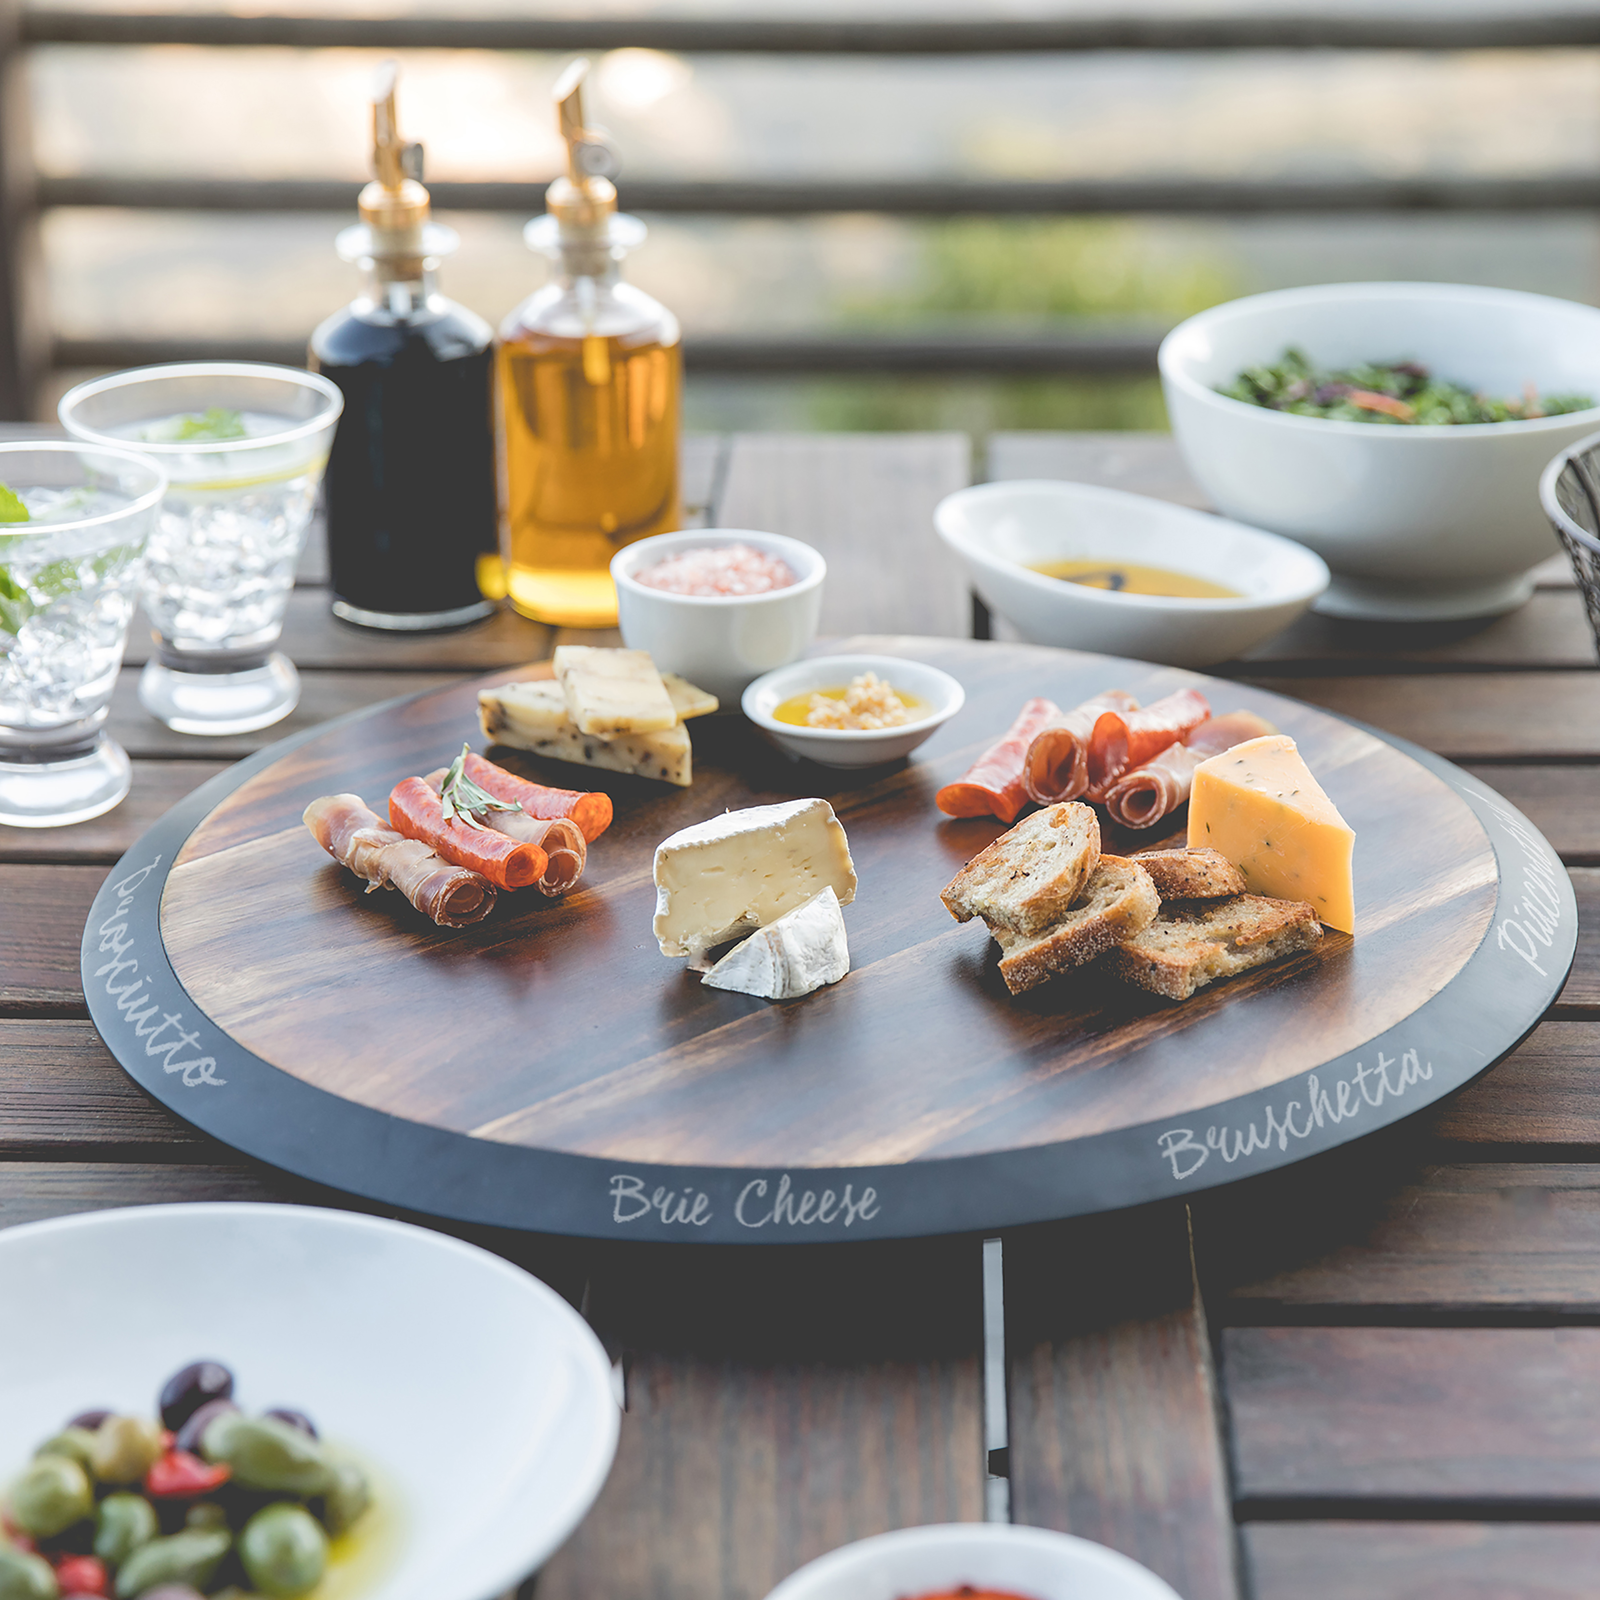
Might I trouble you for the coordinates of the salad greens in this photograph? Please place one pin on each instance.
(1391, 393)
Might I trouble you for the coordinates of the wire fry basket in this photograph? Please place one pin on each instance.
(1570, 494)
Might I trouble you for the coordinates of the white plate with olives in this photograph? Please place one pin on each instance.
(243, 1400)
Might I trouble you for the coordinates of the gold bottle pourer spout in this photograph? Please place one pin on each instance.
(394, 205)
(583, 199)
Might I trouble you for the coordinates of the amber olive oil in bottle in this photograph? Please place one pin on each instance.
(589, 379)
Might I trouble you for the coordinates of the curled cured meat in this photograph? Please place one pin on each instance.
(561, 839)
(591, 811)
(1152, 792)
(508, 863)
(356, 838)
(1057, 765)
(1125, 740)
(993, 786)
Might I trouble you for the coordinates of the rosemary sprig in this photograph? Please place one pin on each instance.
(460, 796)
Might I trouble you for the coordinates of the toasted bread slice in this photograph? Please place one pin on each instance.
(1028, 878)
(1191, 874)
(1193, 943)
(1119, 901)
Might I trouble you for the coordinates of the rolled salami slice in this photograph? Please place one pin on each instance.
(1057, 767)
(414, 810)
(993, 786)
(356, 838)
(560, 838)
(1148, 794)
(591, 811)
(1122, 742)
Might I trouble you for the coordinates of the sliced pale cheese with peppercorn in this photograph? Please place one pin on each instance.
(1259, 805)
(533, 717)
(688, 700)
(610, 692)
(738, 872)
(799, 953)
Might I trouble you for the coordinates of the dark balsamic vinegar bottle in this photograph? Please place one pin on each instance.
(413, 524)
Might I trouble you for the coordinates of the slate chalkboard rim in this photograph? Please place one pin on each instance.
(169, 1046)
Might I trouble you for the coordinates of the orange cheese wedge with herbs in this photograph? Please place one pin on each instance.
(1259, 805)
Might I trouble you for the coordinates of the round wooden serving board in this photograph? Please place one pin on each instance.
(549, 1069)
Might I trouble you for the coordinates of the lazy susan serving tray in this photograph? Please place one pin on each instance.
(548, 1069)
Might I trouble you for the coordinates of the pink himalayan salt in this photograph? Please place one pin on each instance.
(718, 569)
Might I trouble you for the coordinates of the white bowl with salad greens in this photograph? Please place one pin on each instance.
(1398, 429)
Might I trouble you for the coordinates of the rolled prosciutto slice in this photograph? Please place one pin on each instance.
(1148, 794)
(508, 863)
(560, 838)
(356, 838)
(1057, 767)
(591, 812)
(1124, 741)
(993, 786)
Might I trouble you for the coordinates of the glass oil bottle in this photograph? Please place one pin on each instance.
(413, 525)
(590, 382)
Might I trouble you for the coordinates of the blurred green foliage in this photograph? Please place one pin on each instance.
(1012, 275)
(1045, 267)
(984, 405)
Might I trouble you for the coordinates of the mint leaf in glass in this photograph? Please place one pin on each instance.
(15, 605)
(11, 507)
(213, 423)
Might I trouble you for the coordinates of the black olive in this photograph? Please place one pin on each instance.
(89, 1419)
(188, 1390)
(295, 1419)
(189, 1434)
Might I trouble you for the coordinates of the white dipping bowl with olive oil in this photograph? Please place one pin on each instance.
(479, 1401)
(1087, 568)
(778, 702)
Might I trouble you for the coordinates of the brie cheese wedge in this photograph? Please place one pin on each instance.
(738, 872)
(800, 952)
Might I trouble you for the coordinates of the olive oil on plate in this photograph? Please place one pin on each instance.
(1127, 577)
(358, 1560)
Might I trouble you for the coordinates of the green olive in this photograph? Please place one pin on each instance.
(188, 1557)
(121, 1525)
(125, 1448)
(266, 1454)
(76, 1444)
(25, 1577)
(284, 1550)
(50, 1496)
(347, 1496)
(206, 1514)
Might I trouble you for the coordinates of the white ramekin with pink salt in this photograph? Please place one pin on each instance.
(718, 569)
(719, 605)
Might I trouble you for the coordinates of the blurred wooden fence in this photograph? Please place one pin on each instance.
(28, 345)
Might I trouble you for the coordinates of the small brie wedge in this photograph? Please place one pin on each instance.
(800, 952)
(738, 872)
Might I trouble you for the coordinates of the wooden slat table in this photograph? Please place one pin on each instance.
(1373, 1375)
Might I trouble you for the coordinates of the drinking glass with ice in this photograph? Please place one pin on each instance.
(244, 447)
(74, 523)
